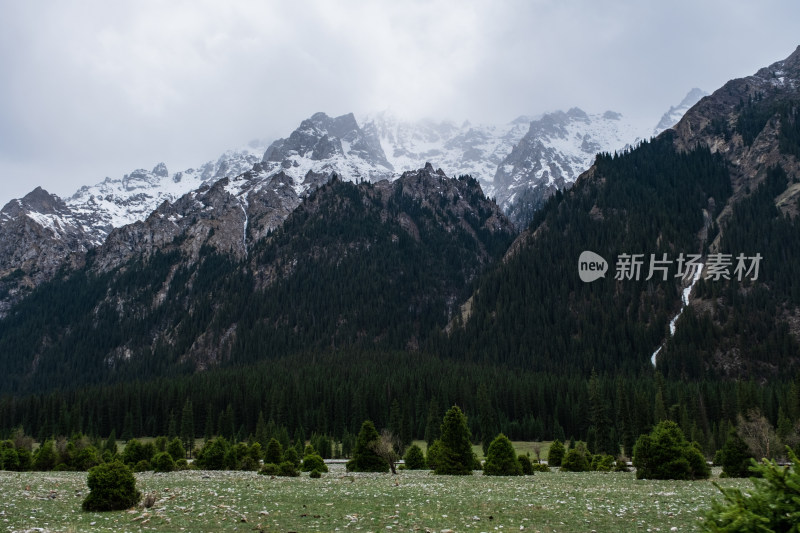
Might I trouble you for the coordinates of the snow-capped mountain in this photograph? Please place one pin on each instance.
(114, 203)
(675, 113)
(456, 149)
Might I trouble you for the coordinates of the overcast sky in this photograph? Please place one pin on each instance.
(90, 89)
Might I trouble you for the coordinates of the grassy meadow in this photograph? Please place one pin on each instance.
(340, 501)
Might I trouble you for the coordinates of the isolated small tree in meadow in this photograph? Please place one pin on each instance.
(414, 459)
(666, 454)
(735, 456)
(525, 464)
(112, 487)
(457, 457)
(771, 505)
(274, 452)
(501, 459)
(556, 453)
(365, 459)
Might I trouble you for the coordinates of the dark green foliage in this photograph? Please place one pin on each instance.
(771, 505)
(291, 456)
(501, 459)
(666, 454)
(247, 463)
(456, 456)
(313, 462)
(747, 323)
(735, 456)
(212, 455)
(287, 469)
(112, 487)
(577, 459)
(176, 450)
(136, 451)
(364, 457)
(45, 458)
(315, 474)
(525, 464)
(274, 452)
(142, 466)
(163, 462)
(556, 453)
(414, 459)
(602, 463)
(539, 467)
(434, 454)
(646, 201)
(269, 469)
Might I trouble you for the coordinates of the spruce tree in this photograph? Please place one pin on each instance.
(457, 457)
(364, 457)
(274, 452)
(735, 456)
(501, 459)
(556, 453)
(414, 459)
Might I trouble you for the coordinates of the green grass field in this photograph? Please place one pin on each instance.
(411, 501)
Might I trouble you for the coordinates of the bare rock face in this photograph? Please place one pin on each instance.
(712, 123)
(38, 235)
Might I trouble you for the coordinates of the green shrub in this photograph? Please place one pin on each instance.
(735, 456)
(162, 462)
(577, 459)
(287, 469)
(291, 456)
(269, 469)
(501, 459)
(526, 465)
(182, 464)
(540, 467)
(86, 458)
(314, 462)
(248, 464)
(666, 454)
(556, 453)
(434, 454)
(456, 457)
(112, 487)
(621, 464)
(602, 463)
(142, 466)
(771, 505)
(176, 450)
(212, 456)
(45, 457)
(316, 474)
(414, 459)
(364, 457)
(274, 452)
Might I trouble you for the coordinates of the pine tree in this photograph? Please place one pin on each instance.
(501, 459)
(457, 457)
(274, 452)
(735, 456)
(364, 457)
(556, 453)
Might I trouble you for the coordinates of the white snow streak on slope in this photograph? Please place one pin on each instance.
(684, 302)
